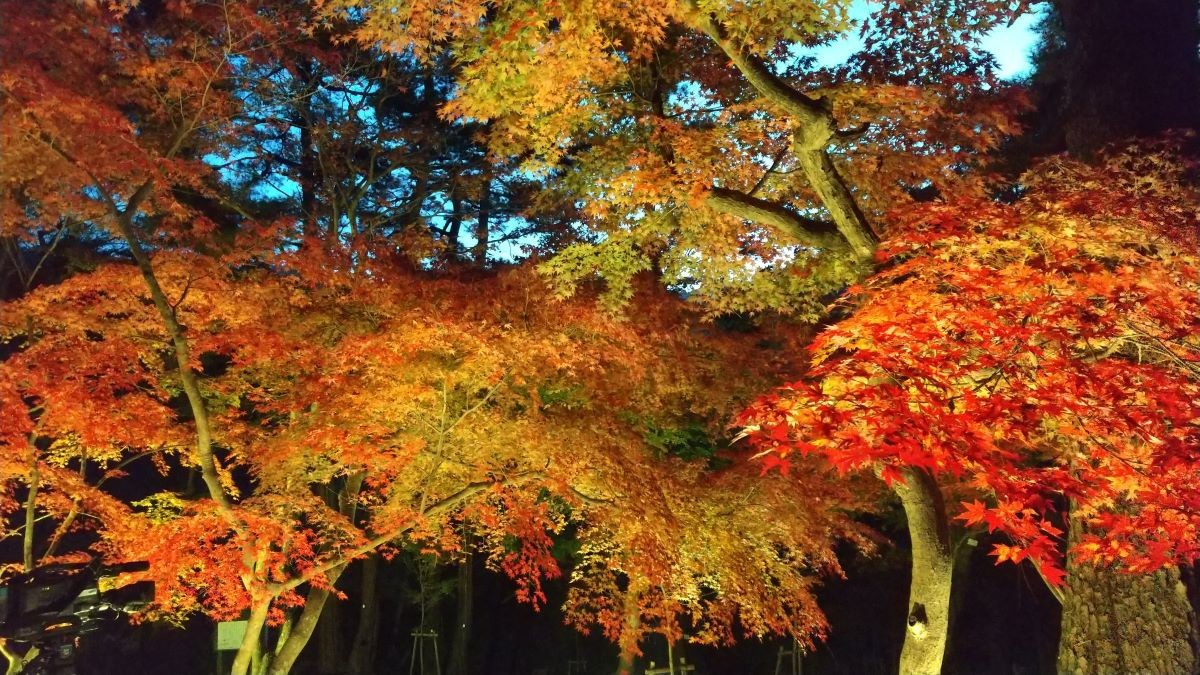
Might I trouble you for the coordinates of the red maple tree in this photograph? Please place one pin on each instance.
(1032, 357)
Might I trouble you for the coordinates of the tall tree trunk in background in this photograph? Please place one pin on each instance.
(329, 639)
(366, 637)
(483, 222)
(307, 151)
(932, 574)
(460, 647)
(1113, 69)
(454, 228)
(1125, 623)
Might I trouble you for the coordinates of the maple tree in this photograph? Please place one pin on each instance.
(1031, 357)
(330, 402)
(417, 403)
(710, 555)
(704, 144)
(299, 329)
(678, 124)
(689, 111)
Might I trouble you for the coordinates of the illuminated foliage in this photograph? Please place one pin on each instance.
(1029, 355)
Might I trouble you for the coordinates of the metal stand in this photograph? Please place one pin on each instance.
(420, 637)
(794, 656)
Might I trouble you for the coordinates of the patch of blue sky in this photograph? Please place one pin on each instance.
(1012, 45)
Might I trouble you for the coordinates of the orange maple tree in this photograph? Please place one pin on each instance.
(329, 402)
(711, 555)
(700, 140)
(343, 412)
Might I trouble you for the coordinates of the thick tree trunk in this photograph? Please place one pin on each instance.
(932, 573)
(460, 647)
(366, 636)
(1113, 69)
(1125, 623)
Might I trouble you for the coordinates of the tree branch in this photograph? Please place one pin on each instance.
(809, 231)
(443, 505)
(805, 109)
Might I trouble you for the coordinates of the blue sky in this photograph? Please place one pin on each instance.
(1012, 45)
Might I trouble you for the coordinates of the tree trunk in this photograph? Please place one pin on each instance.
(16, 662)
(811, 148)
(1125, 623)
(307, 151)
(366, 636)
(30, 518)
(329, 640)
(629, 637)
(813, 130)
(251, 641)
(483, 223)
(1113, 69)
(301, 631)
(932, 572)
(460, 647)
(454, 228)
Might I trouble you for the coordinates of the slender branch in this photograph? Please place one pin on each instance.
(28, 282)
(443, 505)
(1054, 590)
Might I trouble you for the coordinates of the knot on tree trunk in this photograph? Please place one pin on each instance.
(918, 622)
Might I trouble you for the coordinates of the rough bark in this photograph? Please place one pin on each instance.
(366, 636)
(932, 573)
(1125, 623)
